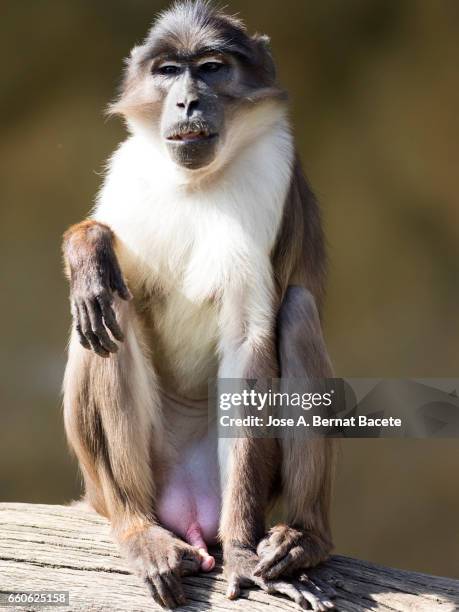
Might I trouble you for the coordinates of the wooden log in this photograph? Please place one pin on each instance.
(60, 548)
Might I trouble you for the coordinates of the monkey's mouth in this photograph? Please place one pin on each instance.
(191, 136)
(190, 132)
(192, 144)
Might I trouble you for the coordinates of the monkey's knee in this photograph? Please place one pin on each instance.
(302, 350)
(298, 308)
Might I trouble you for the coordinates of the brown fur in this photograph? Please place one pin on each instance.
(113, 426)
(247, 493)
(299, 256)
(307, 491)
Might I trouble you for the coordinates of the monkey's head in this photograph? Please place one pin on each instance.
(200, 86)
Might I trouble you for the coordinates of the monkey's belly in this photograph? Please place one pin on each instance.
(184, 343)
(189, 503)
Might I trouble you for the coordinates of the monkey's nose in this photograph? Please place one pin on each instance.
(189, 105)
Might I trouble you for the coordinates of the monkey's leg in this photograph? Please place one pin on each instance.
(307, 465)
(245, 504)
(113, 422)
(249, 466)
(247, 469)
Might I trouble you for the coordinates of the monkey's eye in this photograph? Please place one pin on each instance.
(211, 66)
(169, 69)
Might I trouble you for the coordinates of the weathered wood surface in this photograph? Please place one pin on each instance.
(59, 548)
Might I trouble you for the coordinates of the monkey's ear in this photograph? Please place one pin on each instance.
(262, 39)
(262, 46)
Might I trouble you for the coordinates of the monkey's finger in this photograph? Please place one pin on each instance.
(81, 337)
(189, 567)
(119, 285)
(77, 322)
(290, 560)
(189, 561)
(87, 331)
(78, 326)
(110, 318)
(166, 598)
(95, 345)
(154, 592)
(234, 586)
(287, 589)
(123, 291)
(302, 597)
(268, 561)
(175, 587)
(98, 328)
(311, 592)
(169, 574)
(321, 585)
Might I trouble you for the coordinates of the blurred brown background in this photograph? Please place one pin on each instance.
(374, 87)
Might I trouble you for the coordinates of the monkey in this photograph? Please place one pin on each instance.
(203, 258)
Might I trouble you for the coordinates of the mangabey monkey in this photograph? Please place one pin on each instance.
(203, 258)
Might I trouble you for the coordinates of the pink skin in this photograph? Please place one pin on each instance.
(194, 537)
(189, 504)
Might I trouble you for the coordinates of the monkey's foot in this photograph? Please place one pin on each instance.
(160, 559)
(240, 564)
(285, 550)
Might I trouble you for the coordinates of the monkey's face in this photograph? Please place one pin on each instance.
(195, 106)
(195, 85)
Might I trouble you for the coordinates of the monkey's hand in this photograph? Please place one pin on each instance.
(285, 550)
(95, 279)
(160, 559)
(240, 565)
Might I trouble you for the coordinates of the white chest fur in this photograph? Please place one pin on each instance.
(196, 240)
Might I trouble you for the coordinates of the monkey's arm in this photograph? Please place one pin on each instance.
(95, 277)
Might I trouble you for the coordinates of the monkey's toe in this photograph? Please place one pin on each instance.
(240, 564)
